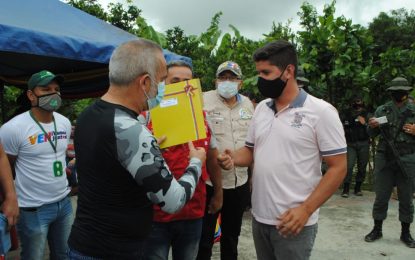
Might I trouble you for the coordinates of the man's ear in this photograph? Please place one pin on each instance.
(143, 81)
(30, 95)
(215, 82)
(240, 84)
(290, 71)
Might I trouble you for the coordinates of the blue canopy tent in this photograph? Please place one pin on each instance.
(52, 35)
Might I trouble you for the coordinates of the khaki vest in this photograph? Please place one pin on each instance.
(230, 127)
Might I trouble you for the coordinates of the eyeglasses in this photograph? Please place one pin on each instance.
(223, 78)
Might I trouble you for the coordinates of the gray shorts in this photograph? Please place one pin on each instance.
(269, 244)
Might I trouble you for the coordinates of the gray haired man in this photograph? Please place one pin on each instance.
(121, 170)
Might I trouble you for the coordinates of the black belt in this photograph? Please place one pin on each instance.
(28, 209)
(32, 209)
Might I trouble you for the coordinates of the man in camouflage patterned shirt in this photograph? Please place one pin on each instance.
(121, 170)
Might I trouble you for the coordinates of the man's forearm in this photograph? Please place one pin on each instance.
(214, 170)
(6, 183)
(243, 157)
(12, 161)
(6, 177)
(329, 183)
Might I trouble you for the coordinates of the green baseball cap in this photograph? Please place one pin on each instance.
(399, 83)
(43, 78)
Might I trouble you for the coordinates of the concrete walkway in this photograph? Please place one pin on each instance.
(343, 224)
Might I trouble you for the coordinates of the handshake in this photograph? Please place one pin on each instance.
(225, 160)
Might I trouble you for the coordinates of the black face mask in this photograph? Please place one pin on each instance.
(399, 96)
(271, 88)
(357, 106)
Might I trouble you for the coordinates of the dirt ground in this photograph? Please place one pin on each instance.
(343, 224)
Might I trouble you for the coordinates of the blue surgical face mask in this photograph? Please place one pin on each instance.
(155, 101)
(227, 89)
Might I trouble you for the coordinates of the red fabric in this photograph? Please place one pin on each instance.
(177, 159)
(14, 239)
(71, 147)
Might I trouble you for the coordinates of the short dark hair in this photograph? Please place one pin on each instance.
(179, 63)
(280, 53)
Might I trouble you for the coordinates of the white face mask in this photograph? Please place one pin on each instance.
(227, 89)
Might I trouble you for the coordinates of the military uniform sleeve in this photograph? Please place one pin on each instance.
(140, 154)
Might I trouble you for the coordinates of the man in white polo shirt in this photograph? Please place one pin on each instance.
(290, 133)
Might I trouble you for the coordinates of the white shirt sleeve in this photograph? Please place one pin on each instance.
(10, 138)
(250, 137)
(330, 133)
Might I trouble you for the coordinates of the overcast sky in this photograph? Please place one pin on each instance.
(251, 17)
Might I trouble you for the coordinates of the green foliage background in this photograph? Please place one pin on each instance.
(340, 58)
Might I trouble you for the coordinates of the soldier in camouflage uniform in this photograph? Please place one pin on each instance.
(400, 131)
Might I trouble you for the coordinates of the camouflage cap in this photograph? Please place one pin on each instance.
(301, 75)
(43, 78)
(230, 66)
(399, 83)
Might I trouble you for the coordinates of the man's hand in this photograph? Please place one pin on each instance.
(225, 160)
(197, 152)
(293, 221)
(10, 209)
(373, 123)
(72, 163)
(215, 203)
(362, 120)
(409, 129)
(161, 139)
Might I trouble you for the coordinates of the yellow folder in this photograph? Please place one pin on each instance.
(180, 116)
